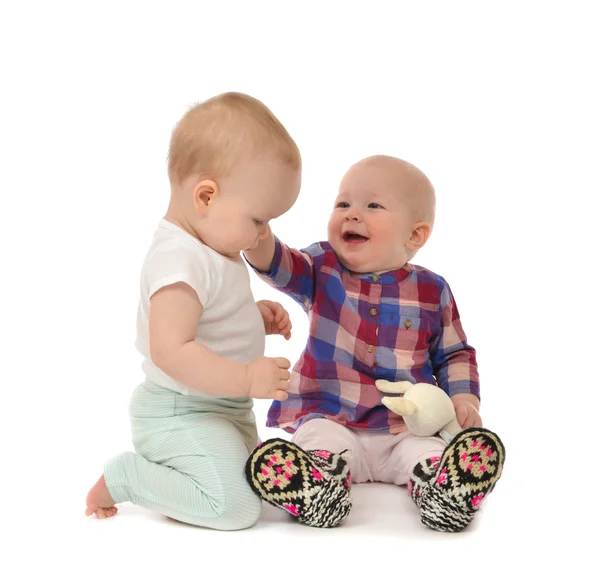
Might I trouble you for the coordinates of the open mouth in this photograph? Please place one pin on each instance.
(353, 237)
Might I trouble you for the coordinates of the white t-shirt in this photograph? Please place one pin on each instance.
(231, 324)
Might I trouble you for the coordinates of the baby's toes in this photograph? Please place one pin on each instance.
(111, 511)
(106, 512)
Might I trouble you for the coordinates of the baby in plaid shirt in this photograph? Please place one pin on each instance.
(372, 315)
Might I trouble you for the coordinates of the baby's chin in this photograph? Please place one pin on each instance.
(353, 262)
(361, 267)
(353, 265)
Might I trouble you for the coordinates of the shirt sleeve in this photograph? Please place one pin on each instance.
(453, 359)
(174, 263)
(292, 272)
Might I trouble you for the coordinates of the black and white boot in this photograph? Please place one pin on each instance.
(467, 472)
(313, 486)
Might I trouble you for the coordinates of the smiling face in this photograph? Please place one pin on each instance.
(377, 222)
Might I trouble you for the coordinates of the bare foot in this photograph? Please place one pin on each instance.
(99, 501)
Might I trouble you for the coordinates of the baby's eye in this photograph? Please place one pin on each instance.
(258, 222)
(374, 205)
(342, 205)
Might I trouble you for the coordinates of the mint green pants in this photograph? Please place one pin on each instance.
(189, 460)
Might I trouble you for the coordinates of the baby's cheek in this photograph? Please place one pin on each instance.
(333, 227)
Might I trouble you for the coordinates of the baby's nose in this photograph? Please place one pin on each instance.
(353, 215)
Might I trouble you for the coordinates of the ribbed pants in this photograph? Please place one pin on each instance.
(189, 460)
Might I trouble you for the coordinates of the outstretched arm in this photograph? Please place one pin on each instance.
(289, 270)
(261, 257)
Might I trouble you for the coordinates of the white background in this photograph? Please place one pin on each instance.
(498, 104)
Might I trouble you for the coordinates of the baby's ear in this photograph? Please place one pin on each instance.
(420, 234)
(203, 194)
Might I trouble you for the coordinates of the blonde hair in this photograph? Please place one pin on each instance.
(216, 134)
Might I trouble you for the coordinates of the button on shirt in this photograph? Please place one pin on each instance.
(399, 325)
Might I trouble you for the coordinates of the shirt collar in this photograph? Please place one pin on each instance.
(390, 277)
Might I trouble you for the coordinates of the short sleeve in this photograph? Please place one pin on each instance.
(173, 263)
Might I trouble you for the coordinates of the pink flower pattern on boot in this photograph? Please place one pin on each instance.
(468, 471)
(284, 475)
(442, 477)
(291, 509)
(322, 453)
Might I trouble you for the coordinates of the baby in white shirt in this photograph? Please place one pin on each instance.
(233, 167)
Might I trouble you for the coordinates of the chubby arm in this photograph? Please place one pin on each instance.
(175, 311)
(261, 257)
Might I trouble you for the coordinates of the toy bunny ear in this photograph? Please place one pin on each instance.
(399, 405)
(392, 386)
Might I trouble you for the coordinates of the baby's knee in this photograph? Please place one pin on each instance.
(241, 510)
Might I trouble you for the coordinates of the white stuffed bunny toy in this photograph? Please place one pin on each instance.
(426, 408)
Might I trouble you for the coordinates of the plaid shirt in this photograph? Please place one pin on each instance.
(401, 325)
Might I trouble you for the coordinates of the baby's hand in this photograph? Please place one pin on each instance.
(276, 318)
(268, 378)
(466, 406)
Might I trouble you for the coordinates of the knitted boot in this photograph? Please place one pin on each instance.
(423, 472)
(312, 486)
(467, 472)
